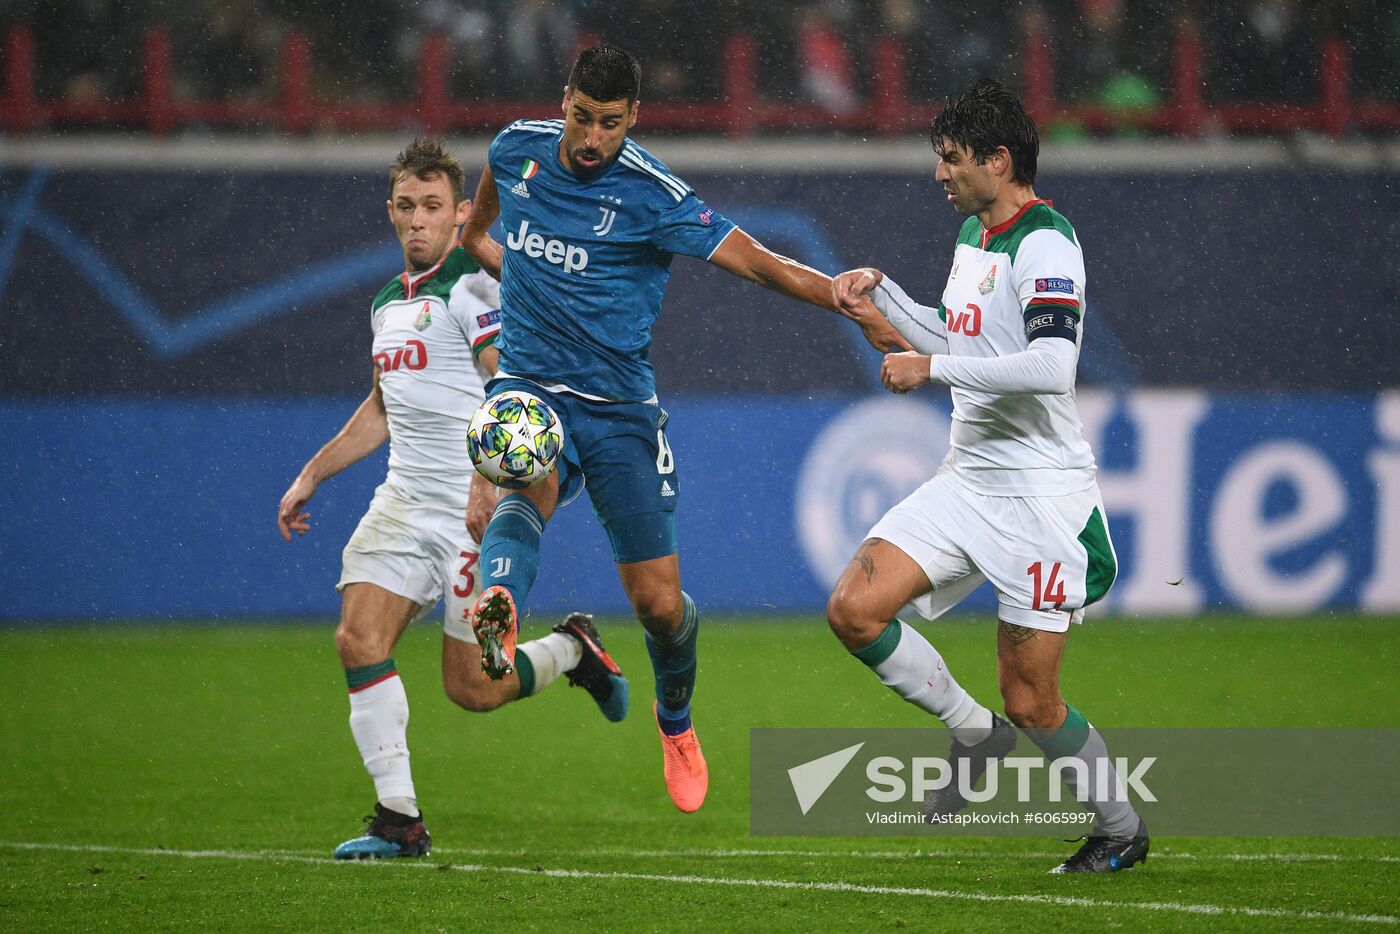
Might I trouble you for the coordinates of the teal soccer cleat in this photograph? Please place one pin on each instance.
(596, 672)
(388, 835)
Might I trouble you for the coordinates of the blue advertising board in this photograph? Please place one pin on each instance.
(121, 508)
(177, 343)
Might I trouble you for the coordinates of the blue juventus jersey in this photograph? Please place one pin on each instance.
(587, 261)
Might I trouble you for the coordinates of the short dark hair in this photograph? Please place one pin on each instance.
(985, 117)
(605, 73)
(426, 158)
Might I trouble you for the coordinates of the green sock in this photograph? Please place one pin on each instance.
(360, 678)
(526, 670)
(1095, 782)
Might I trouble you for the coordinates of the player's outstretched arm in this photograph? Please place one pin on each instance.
(748, 259)
(486, 207)
(362, 435)
(919, 324)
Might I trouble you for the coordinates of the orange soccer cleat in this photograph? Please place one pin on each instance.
(494, 622)
(687, 776)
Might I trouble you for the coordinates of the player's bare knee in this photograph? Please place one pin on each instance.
(1032, 711)
(473, 697)
(659, 611)
(839, 616)
(358, 647)
(855, 629)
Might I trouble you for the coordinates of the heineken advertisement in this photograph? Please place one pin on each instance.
(1277, 504)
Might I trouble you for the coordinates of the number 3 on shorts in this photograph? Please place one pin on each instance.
(468, 584)
(665, 461)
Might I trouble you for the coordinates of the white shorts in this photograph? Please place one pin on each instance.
(421, 551)
(1047, 556)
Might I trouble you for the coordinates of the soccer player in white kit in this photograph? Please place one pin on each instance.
(1016, 501)
(434, 326)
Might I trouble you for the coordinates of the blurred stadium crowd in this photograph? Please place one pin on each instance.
(1107, 52)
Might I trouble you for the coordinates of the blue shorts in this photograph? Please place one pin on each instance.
(618, 450)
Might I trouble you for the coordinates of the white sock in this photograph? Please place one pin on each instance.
(379, 722)
(408, 806)
(1098, 785)
(975, 728)
(551, 656)
(916, 672)
(1117, 818)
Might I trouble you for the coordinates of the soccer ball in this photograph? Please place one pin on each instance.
(514, 439)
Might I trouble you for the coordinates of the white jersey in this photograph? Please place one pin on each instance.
(1024, 275)
(428, 330)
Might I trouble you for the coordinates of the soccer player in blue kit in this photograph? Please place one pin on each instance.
(591, 222)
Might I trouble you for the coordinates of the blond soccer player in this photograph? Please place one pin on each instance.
(435, 326)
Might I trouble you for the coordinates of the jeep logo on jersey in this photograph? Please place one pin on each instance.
(572, 258)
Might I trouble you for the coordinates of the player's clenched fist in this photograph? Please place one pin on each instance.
(850, 295)
(848, 288)
(901, 372)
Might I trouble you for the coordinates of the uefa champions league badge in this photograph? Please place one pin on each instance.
(425, 318)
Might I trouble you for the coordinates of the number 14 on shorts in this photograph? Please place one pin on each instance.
(1053, 591)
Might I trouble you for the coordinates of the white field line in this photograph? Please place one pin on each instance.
(912, 854)
(1058, 901)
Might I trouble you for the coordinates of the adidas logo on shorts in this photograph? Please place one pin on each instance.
(520, 189)
(666, 489)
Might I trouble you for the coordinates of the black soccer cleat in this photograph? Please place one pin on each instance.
(387, 835)
(1109, 854)
(947, 800)
(596, 672)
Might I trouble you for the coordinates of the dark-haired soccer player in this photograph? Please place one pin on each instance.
(591, 222)
(434, 330)
(1016, 502)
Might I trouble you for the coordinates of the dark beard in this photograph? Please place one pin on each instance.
(603, 165)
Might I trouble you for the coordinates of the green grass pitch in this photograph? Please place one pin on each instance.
(175, 777)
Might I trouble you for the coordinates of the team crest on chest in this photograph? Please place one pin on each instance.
(530, 169)
(989, 283)
(604, 226)
(609, 214)
(425, 317)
